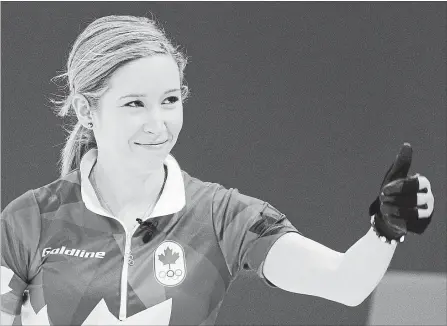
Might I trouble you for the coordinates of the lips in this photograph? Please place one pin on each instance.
(158, 143)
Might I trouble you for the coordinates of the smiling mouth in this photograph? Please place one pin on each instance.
(152, 143)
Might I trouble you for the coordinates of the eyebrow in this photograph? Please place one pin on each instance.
(144, 95)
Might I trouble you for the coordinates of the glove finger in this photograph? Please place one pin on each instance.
(410, 200)
(424, 184)
(418, 225)
(410, 221)
(401, 186)
(426, 208)
(404, 213)
(401, 165)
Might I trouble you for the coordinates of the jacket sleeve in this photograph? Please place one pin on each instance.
(246, 229)
(20, 232)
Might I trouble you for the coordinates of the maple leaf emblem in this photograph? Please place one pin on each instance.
(168, 257)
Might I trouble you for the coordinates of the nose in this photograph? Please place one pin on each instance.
(154, 121)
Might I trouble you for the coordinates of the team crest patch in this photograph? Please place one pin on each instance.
(169, 263)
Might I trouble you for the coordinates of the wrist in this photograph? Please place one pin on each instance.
(384, 232)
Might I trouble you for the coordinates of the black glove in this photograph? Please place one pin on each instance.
(396, 210)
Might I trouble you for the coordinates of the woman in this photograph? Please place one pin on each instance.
(125, 236)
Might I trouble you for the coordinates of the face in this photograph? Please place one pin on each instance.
(141, 107)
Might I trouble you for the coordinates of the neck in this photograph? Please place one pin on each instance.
(121, 187)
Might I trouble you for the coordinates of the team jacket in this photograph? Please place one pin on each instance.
(67, 261)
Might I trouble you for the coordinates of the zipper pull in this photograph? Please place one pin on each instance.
(129, 255)
(130, 260)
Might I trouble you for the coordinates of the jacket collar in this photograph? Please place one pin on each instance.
(171, 200)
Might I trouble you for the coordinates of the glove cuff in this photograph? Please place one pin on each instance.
(385, 233)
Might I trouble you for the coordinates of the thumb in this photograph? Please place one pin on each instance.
(401, 165)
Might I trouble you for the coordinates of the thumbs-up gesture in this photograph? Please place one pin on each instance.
(405, 204)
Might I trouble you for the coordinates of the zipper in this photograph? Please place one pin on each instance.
(128, 257)
(128, 260)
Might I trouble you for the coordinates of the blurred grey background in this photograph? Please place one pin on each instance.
(302, 104)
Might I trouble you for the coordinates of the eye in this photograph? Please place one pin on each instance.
(138, 102)
(171, 100)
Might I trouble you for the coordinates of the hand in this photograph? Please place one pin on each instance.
(405, 204)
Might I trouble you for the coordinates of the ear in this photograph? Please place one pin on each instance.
(184, 91)
(82, 108)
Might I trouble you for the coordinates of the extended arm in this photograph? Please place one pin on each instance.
(404, 204)
(347, 278)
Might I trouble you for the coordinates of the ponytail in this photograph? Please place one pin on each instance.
(79, 141)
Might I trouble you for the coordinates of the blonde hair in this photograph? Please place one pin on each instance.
(105, 45)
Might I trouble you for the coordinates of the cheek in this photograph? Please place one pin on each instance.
(117, 125)
(180, 121)
(176, 121)
(179, 124)
(181, 115)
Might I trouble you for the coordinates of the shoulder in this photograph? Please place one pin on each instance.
(213, 189)
(20, 220)
(218, 194)
(45, 198)
(64, 190)
(23, 205)
(195, 185)
(199, 194)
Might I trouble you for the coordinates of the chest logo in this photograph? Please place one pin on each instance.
(169, 263)
(72, 252)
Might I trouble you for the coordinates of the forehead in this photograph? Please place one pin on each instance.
(154, 73)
